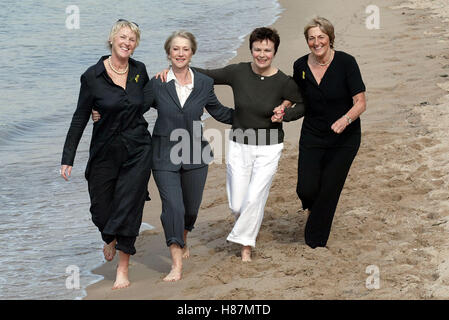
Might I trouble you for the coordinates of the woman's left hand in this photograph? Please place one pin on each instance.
(340, 125)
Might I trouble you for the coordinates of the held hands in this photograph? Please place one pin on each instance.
(163, 75)
(279, 112)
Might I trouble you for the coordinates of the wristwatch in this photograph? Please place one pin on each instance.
(348, 118)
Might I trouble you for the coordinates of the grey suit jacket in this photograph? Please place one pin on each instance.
(178, 135)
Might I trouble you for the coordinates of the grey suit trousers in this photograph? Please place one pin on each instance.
(181, 194)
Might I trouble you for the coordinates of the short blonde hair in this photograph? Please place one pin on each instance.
(182, 34)
(123, 24)
(324, 25)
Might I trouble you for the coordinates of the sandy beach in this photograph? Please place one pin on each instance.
(393, 213)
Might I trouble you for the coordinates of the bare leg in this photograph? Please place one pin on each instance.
(176, 268)
(185, 250)
(121, 280)
(246, 253)
(109, 250)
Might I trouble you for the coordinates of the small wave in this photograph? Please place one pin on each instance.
(13, 131)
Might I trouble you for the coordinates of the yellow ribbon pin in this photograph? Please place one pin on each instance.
(303, 74)
(136, 78)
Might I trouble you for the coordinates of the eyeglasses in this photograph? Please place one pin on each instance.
(124, 20)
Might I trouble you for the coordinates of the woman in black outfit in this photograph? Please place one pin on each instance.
(333, 89)
(119, 162)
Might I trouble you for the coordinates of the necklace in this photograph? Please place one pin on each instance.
(261, 75)
(116, 71)
(322, 64)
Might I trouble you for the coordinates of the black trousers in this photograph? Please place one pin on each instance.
(118, 188)
(322, 172)
(181, 194)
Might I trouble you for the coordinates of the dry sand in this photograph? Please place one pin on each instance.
(393, 212)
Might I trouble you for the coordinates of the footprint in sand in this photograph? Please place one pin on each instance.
(396, 182)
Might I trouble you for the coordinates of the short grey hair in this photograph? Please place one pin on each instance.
(324, 25)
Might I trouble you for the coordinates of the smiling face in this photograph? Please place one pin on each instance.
(318, 42)
(123, 43)
(180, 52)
(263, 53)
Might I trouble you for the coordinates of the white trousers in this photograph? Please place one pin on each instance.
(250, 172)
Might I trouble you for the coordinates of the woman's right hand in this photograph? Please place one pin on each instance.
(66, 171)
(163, 75)
(95, 115)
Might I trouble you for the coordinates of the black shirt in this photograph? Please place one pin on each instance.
(121, 110)
(331, 99)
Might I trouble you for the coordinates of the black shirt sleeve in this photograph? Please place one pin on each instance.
(293, 93)
(79, 122)
(353, 76)
(296, 72)
(148, 93)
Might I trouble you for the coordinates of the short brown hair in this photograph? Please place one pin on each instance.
(324, 25)
(182, 34)
(260, 34)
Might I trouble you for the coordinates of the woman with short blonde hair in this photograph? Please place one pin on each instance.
(119, 162)
(121, 23)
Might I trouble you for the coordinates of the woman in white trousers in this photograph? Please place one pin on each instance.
(250, 172)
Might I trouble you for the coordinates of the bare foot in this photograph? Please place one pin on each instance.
(185, 252)
(109, 250)
(246, 254)
(121, 280)
(174, 275)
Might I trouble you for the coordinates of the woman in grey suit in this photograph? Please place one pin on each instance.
(180, 155)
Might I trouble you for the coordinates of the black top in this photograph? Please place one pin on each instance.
(121, 110)
(255, 97)
(331, 99)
